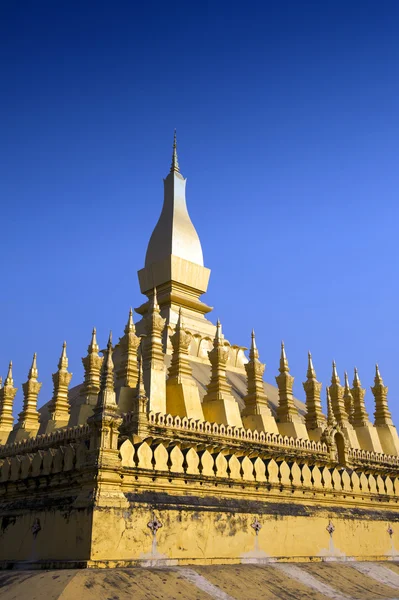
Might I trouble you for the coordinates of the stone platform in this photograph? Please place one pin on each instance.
(317, 581)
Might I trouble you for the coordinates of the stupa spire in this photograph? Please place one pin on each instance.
(256, 414)
(180, 367)
(106, 397)
(382, 413)
(182, 395)
(59, 405)
(337, 397)
(286, 410)
(7, 395)
(174, 167)
(360, 416)
(284, 368)
(126, 374)
(311, 373)
(219, 404)
(331, 420)
(92, 366)
(348, 399)
(153, 356)
(314, 417)
(28, 418)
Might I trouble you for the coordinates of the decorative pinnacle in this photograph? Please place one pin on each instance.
(331, 421)
(284, 368)
(356, 380)
(378, 378)
(93, 346)
(130, 324)
(334, 378)
(154, 306)
(140, 378)
(33, 372)
(311, 373)
(63, 362)
(107, 375)
(9, 380)
(174, 167)
(253, 340)
(179, 324)
(347, 387)
(218, 335)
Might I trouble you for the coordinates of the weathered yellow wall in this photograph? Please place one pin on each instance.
(64, 535)
(204, 524)
(211, 537)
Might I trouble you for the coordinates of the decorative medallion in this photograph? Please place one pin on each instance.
(330, 528)
(256, 525)
(390, 531)
(36, 527)
(154, 524)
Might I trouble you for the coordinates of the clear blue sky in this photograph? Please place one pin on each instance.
(288, 125)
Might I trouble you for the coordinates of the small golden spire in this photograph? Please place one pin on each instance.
(7, 395)
(334, 378)
(331, 421)
(107, 370)
(93, 346)
(33, 372)
(284, 368)
(63, 362)
(314, 417)
(348, 399)
(175, 163)
(154, 306)
(59, 405)
(253, 352)
(9, 380)
(346, 381)
(140, 389)
(130, 324)
(382, 413)
(218, 335)
(356, 380)
(311, 373)
(378, 379)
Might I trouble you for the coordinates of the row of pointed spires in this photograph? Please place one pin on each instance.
(106, 382)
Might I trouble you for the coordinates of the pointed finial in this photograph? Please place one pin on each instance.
(175, 163)
(93, 346)
(253, 340)
(356, 380)
(331, 421)
(346, 381)
(154, 306)
(378, 378)
(33, 372)
(218, 335)
(109, 343)
(311, 373)
(334, 378)
(179, 324)
(140, 389)
(130, 324)
(284, 368)
(107, 370)
(63, 362)
(9, 380)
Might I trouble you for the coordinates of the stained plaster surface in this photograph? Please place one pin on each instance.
(317, 581)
